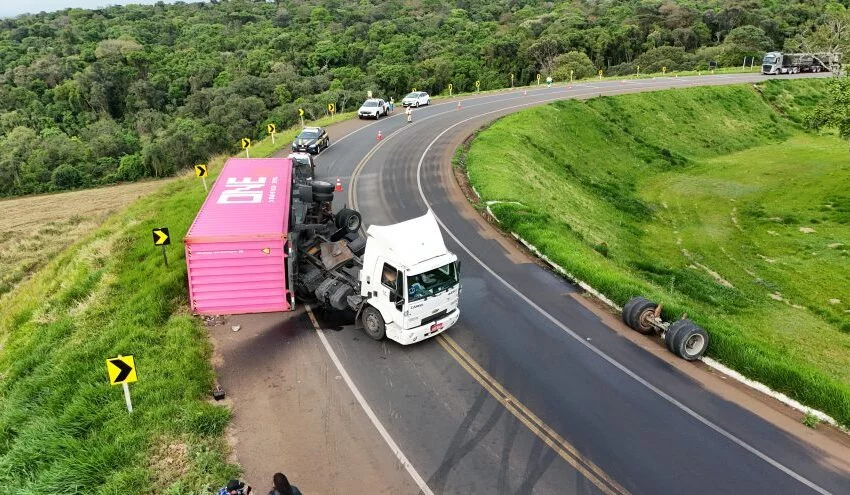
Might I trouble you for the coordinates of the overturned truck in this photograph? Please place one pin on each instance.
(268, 237)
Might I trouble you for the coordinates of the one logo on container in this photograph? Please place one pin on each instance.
(246, 190)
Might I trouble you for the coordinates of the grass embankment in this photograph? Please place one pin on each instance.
(63, 429)
(707, 199)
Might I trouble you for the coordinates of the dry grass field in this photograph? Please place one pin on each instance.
(36, 228)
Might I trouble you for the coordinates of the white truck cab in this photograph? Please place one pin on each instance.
(409, 280)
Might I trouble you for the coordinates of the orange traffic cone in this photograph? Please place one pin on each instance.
(380, 136)
(338, 187)
(458, 106)
(525, 93)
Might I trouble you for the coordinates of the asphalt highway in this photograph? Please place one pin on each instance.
(531, 392)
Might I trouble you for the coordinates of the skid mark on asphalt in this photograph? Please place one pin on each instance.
(558, 444)
(459, 447)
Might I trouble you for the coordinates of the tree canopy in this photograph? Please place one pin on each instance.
(96, 96)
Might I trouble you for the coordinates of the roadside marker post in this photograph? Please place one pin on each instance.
(246, 143)
(571, 75)
(201, 171)
(600, 73)
(450, 90)
(538, 79)
(121, 370)
(512, 80)
(272, 129)
(477, 86)
(161, 237)
(301, 116)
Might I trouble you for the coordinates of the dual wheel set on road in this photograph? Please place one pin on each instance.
(683, 337)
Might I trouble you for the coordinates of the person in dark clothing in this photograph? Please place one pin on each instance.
(282, 486)
(235, 487)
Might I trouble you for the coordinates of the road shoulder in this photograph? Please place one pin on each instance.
(293, 413)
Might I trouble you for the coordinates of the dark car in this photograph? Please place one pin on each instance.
(312, 140)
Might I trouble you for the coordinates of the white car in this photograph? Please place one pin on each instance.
(416, 99)
(373, 108)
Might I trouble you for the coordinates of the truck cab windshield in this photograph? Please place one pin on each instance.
(770, 60)
(431, 282)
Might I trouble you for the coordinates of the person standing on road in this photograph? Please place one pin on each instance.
(282, 486)
(392, 104)
(409, 112)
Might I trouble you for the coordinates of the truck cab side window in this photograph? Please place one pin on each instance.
(389, 276)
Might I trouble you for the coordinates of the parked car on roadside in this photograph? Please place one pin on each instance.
(416, 99)
(312, 140)
(373, 108)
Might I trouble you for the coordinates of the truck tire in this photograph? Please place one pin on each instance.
(639, 316)
(339, 296)
(629, 309)
(673, 330)
(373, 323)
(321, 186)
(690, 342)
(348, 219)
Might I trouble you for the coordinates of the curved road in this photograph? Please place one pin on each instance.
(532, 392)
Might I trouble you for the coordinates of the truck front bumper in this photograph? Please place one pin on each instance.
(424, 332)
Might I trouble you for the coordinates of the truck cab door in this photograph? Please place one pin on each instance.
(391, 293)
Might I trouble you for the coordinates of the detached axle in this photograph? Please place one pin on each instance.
(683, 337)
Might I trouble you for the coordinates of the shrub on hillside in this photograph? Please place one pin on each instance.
(577, 62)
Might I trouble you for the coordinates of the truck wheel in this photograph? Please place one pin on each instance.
(672, 330)
(348, 219)
(635, 311)
(373, 323)
(640, 315)
(690, 342)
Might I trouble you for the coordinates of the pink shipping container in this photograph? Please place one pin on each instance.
(236, 247)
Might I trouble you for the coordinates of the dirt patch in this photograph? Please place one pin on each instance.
(168, 460)
(37, 228)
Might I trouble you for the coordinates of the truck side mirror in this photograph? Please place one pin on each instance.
(399, 304)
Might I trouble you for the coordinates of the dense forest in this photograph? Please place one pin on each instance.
(91, 97)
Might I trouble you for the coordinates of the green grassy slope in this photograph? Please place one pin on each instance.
(703, 198)
(63, 429)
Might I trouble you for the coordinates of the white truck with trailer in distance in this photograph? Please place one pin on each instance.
(793, 63)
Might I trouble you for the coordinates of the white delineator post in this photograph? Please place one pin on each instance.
(127, 397)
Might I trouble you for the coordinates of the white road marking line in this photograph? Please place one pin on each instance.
(593, 348)
(420, 482)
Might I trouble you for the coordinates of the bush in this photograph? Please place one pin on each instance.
(131, 168)
(67, 177)
(578, 62)
(672, 57)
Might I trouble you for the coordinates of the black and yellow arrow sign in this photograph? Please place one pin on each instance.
(201, 170)
(245, 143)
(331, 108)
(121, 370)
(161, 237)
(300, 112)
(271, 128)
